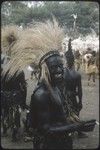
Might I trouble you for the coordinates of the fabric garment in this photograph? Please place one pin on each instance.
(91, 69)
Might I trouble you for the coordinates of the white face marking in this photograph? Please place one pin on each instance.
(30, 68)
(58, 75)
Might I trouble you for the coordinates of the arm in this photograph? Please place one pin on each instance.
(39, 109)
(79, 88)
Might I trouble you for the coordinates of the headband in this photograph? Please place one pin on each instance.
(47, 55)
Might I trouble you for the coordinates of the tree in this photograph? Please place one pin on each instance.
(18, 12)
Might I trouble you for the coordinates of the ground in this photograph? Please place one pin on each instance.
(90, 111)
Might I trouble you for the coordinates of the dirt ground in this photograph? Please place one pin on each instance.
(90, 111)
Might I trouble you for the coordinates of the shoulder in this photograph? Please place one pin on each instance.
(78, 74)
(66, 71)
(40, 97)
(40, 91)
(75, 74)
(66, 74)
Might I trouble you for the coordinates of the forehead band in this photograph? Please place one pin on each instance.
(47, 55)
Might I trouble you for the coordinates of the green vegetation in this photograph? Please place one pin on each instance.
(18, 13)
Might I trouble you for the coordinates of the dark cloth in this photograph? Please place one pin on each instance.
(60, 142)
(15, 84)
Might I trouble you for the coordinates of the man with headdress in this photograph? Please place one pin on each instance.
(46, 107)
(47, 113)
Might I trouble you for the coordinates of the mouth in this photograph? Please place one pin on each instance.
(58, 75)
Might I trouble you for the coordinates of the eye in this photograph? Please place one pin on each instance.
(53, 67)
(61, 65)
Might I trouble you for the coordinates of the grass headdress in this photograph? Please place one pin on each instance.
(34, 43)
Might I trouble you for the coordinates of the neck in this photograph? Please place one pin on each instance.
(57, 84)
(71, 67)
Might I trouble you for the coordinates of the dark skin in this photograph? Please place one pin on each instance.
(55, 66)
(74, 86)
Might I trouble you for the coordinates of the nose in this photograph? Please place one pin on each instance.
(59, 69)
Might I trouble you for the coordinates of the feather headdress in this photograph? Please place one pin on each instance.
(34, 43)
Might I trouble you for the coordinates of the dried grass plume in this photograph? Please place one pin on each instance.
(9, 36)
(34, 43)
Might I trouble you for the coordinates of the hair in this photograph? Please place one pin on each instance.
(44, 74)
(46, 78)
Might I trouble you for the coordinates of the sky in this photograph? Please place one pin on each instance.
(33, 3)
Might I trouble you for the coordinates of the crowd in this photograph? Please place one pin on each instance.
(89, 63)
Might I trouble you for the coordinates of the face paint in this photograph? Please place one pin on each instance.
(55, 66)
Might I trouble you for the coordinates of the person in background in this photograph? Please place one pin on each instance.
(77, 57)
(73, 84)
(92, 70)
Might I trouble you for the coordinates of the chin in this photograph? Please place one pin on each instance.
(59, 79)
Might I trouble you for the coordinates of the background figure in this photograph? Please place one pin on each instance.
(73, 80)
(97, 62)
(77, 57)
(16, 83)
(14, 92)
(91, 70)
(73, 85)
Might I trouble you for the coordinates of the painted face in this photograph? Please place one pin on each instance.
(55, 66)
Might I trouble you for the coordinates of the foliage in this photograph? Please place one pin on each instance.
(18, 12)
